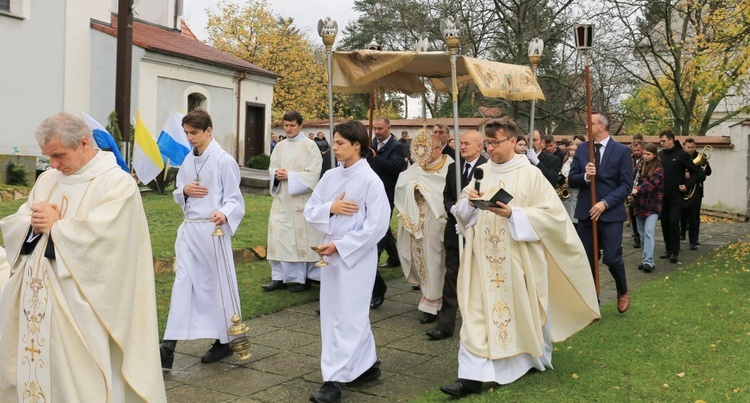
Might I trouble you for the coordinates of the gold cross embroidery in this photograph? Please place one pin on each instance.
(32, 350)
(497, 280)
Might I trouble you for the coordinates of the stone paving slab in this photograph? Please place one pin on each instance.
(285, 362)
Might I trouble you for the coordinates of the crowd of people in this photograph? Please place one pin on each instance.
(523, 216)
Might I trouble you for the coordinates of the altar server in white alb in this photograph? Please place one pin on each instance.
(295, 170)
(524, 280)
(422, 218)
(4, 268)
(351, 208)
(207, 189)
(78, 314)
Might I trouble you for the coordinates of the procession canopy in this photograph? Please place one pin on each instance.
(364, 70)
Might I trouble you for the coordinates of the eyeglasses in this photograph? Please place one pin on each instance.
(440, 147)
(494, 144)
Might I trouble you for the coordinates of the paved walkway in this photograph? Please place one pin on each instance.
(285, 364)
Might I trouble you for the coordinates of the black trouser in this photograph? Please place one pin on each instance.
(633, 226)
(446, 320)
(387, 243)
(671, 214)
(691, 220)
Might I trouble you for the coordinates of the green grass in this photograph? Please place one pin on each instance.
(686, 338)
(164, 216)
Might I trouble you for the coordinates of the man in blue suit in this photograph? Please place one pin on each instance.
(613, 171)
(388, 160)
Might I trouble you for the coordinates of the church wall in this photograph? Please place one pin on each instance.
(727, 188)
(31, 74)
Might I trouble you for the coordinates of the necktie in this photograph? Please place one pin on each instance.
(380, 145)
(598, 155)
(465, 176)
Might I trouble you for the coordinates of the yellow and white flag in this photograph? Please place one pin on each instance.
(147, 160)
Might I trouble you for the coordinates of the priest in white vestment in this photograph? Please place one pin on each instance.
(78, 315)
(524, 280)
(351, 208)
(295, 170)
(204, 294)
(421, 221)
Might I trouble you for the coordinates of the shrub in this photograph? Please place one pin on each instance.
(17, 174)
(259, 162)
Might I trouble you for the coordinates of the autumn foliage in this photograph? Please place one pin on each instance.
(252, 32)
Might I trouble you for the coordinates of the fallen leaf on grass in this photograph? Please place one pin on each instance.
(681, 375)
(736, 390)
(575, 376)
(665, 386)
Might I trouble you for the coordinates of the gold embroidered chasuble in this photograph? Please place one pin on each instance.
(290, 236)
(81, 326)
(419, 199)
(508, 289)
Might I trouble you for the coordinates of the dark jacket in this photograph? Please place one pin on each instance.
(550, 166)
(614, 180)
(675, 162)
(450, 196)
(388, 163)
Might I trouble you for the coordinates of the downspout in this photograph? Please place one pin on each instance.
(177, 14)
(239, 102)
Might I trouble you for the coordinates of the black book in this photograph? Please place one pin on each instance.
(500, 196)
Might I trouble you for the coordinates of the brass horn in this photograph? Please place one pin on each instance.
(701, 160)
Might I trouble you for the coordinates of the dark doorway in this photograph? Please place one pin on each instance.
(255, 124)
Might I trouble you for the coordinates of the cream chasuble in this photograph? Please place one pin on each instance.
(4, 268)
(419, 200)
(81, 327)
(289, 235)
(523, 277)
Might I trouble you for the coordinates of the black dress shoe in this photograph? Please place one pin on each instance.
(693, 246)
(388, 264)
(427, 318)
(301, 287)
(673, 258)
(648, 268)
(371, 374)
(665, 255)
(375, 302)
(641, 266)
(415, 287)
(167, 358)
(330, 392)
(216, 352)
(436, 334)
(274, 285)
(637, 244)
(461, 388)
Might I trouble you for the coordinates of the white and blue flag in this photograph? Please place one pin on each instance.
(173, 142)
(105, 141)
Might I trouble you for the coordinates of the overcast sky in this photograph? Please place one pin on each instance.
(306, 13)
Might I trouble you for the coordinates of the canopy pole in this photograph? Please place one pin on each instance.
(329, 56)
(456, 151)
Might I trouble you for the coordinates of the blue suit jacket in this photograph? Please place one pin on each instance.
(614, 180)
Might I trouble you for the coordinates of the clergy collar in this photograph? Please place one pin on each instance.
(298, 137)
(102, 162)
(516, 162)
(356, 167)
